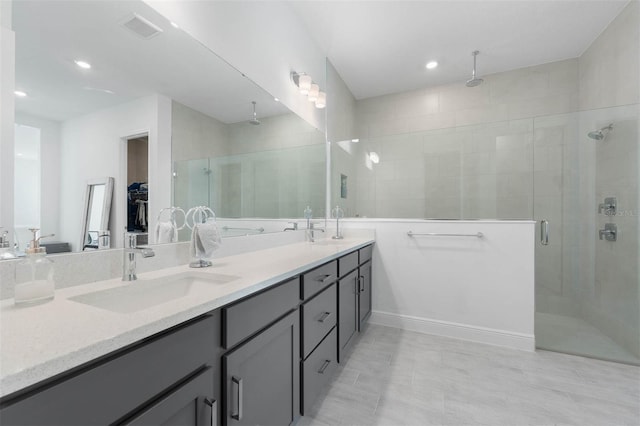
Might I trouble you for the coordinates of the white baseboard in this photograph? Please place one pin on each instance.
(489, 336)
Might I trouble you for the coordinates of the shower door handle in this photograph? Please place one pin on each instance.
(544, 232)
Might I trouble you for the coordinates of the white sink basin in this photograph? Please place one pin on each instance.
(143, 294)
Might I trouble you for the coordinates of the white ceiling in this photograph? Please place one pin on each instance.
(381, 47)
(51, 34)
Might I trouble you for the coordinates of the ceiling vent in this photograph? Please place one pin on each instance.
(141, 27)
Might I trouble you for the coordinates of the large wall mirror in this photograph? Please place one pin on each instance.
(133, 97)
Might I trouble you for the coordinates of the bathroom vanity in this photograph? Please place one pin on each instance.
(255, 349)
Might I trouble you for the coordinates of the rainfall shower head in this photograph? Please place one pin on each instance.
(474, 81)
(600, 134)
(254, 120)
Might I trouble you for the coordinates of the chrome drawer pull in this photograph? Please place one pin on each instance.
(324, 366)
(326, 278)
(324, 316)
(237, 382)
(214, 410)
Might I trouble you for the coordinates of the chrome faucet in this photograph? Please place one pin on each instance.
(294, 226)
(310, 232)
(129, 256)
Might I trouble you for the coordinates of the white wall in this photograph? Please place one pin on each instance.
(479, 289)
(265, 40)
(610, 67)
(7, 83)
(49, 171)
(93, 146)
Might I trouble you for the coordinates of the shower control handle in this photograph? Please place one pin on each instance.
(544, 232)
(609, 233)
(608, 207)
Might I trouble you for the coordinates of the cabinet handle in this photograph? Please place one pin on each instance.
(238, 383)
(326, 278)
(324, 316)
(361, 281)
(213, 404)
(324, 366)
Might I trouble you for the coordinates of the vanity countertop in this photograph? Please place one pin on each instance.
(39, 342)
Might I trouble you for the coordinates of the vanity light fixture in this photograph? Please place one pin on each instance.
(321, 102)
(313, 92)
(307, 87)
(431, 65)
(20, 93)
(82, 64)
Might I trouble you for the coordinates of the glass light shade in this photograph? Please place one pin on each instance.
(304, 84)
(313, 92)
(321, 102)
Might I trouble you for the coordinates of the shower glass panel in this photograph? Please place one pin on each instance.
(587, 288)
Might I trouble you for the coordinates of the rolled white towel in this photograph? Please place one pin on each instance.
(166, 232)
(207, 238)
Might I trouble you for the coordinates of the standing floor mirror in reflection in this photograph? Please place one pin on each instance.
(97, 208)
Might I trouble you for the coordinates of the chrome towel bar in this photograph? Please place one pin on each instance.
(229, 228)
(435, 234)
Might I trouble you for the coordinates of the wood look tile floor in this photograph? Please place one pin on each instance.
(394, 377)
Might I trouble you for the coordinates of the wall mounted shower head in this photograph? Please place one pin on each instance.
(600, 134)
(474, 81)
(254, 120)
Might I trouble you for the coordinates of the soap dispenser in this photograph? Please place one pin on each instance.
(34, 274)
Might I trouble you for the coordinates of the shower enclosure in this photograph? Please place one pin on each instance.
(586, 189)
(575, 174)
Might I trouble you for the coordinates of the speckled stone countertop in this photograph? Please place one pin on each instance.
(39, 342)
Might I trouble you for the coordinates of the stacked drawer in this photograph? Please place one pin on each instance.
(319, 333)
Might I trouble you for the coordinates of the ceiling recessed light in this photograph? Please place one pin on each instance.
(19, 93)
(82, 64)
(355, 140)
(174, 25)
(431, 65)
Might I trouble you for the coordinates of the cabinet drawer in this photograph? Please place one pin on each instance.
(318, 279)
(365, 253)
(347, 263)
(119, 385)
(318, 370)
(244, 318)
(318, 317)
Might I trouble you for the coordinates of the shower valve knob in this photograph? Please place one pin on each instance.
(609, 233)
(608, 207)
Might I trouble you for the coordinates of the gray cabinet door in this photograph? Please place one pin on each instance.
(191, 403)
(262, 377)
(347, 312)
(364, 294)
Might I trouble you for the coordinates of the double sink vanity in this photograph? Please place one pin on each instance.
(251, 340)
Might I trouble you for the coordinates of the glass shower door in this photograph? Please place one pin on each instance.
(586, 189)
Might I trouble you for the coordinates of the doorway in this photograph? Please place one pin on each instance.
(138, 187)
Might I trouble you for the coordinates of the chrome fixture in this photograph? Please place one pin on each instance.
(609, 206)
(293, 227)
(609, 233)
(337, 213)
(308, 88)
(308, 214)
(544, 232)
(254, 120)
(474, 80)
(229, 228)
(311, 232)
(129, 258)
(600, 134)
(436, 234)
